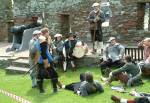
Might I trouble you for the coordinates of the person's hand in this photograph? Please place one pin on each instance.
(78, 92)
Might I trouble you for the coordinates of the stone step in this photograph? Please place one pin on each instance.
(21, 63)
(16, 70)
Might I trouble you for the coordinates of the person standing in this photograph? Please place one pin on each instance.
(33, 57)
(96, 18)
(45, 62)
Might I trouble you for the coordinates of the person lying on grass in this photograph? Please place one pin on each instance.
(86, 86)
(128, 74)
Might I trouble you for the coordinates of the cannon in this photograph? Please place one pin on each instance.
(21, 36)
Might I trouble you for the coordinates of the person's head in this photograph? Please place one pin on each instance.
(112, 40)
(36, 33)
(96, 6)
(147, 42)
(58, 37)
(34, 18)
(128, 59)
(45, 32)
(71, 36)
(89, 77)
(82, 77)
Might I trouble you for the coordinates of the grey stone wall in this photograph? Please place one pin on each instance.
(127, 19)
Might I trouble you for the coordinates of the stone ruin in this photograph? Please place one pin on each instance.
(129, 20)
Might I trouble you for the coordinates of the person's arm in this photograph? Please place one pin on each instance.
(99, 87)
(43, 54)
(102, 17)
(91, 17)
(122, 69)
(83, 90)
(122, 51)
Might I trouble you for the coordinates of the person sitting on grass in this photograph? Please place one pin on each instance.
(129, 74)
(89, 86)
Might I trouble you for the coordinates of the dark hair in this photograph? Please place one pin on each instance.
(89, 77)
(129, 59)
(82, 77)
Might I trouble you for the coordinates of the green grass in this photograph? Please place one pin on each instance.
(21, 86)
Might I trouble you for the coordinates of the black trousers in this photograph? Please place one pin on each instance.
(48, 73)
(109, 63)
(98, 35)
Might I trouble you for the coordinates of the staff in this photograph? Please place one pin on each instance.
(96, 18)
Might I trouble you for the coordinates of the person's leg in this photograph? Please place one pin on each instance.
(54, 84)
(40, 78)
(70, 87)
(133, 79)
(118, 63)
(34, 81)
(40, 85)
(100, 41)
(104, 65)
(121, 100)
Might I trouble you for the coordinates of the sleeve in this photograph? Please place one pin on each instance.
(43, 46)
(83, 90)
(102, 17)
(122, 50)
(99, 86)
(122, 69)
(90, 18)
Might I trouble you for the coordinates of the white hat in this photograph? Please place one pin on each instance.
(111, 38)
(146, 39)
(36, 32)
(57, 35)
(42, 38)
(95, 4)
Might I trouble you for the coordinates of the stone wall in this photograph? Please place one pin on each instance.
(127, 19)
(64, 16)
(54, 12)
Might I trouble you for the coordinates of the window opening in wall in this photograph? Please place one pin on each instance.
(64, 23)
(143, 15)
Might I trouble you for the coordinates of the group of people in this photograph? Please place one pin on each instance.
(62, 51)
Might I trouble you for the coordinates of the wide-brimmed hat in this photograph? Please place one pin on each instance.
(95, 4)
(111, 38)
(36, 32)
(58, 35)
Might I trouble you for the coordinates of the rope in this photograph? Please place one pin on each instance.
(15, 97)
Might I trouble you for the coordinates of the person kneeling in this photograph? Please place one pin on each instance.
(129, 74)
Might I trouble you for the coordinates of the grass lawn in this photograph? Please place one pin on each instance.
(21, 86)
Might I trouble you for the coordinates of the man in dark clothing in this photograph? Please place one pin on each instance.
(45, 63)
(96, 18)
(69, 46)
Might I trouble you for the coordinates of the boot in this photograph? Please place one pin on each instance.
(115, 99)
(54, 83)
(40, 86)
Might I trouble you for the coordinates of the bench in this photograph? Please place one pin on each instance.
(136, 53)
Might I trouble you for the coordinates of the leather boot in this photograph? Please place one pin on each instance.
(40, 86)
